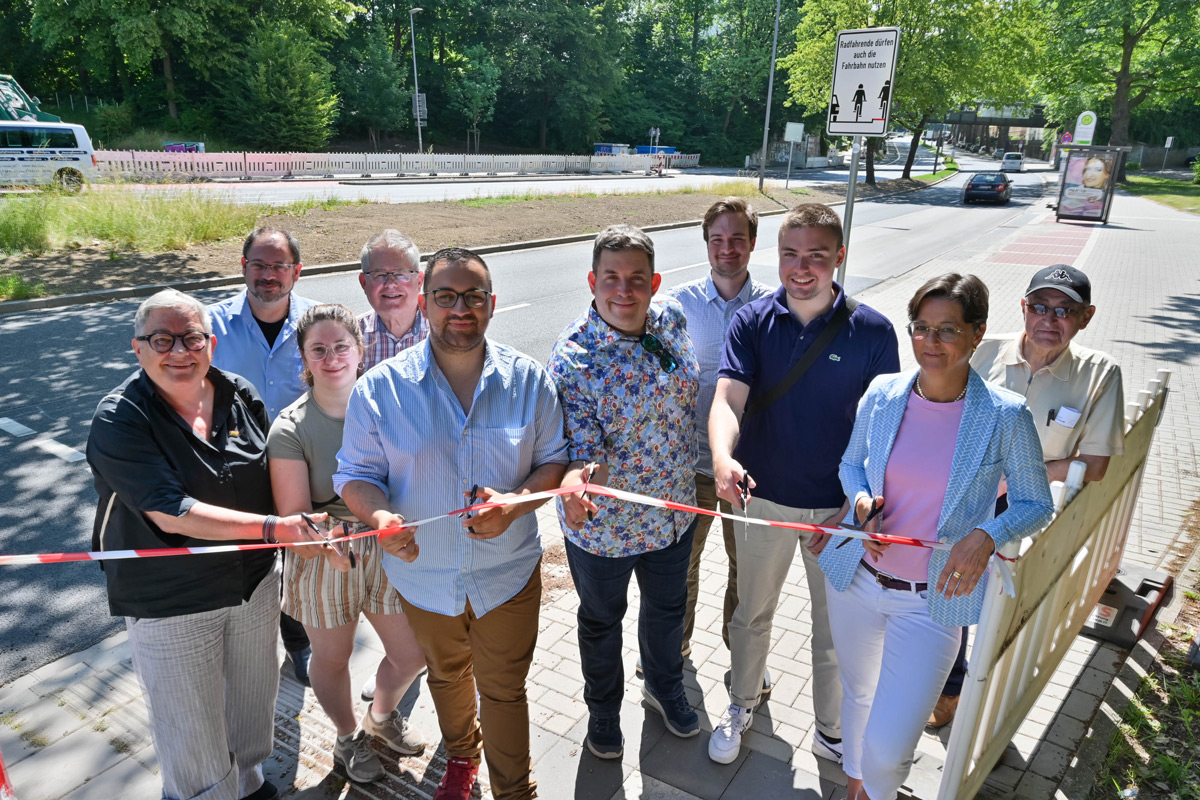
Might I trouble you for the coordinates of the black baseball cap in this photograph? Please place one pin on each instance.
(1068, 280)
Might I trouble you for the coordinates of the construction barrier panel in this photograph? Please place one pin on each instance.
(153, 165)
(1060, 575)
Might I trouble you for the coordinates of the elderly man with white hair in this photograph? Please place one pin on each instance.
(391, 278)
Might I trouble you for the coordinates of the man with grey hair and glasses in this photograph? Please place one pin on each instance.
(391, 279)
(257, 329)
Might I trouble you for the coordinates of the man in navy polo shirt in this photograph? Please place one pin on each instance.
(789, 450)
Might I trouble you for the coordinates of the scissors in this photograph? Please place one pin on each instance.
(471, 502)
(876, 507)
(335, 546)
(743, 487)
(588, 471)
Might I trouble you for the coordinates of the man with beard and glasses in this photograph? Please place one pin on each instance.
(455, 420)
(257, 330)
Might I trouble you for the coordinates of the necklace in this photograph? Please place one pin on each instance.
(920, 394)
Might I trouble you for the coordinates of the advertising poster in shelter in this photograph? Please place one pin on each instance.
(1087, 184)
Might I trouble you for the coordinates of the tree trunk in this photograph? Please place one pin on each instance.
(728, 116)
(542, 132)
(1120, 102)
(912, 148)
(870, 161)
(397, 35)
(169, 79)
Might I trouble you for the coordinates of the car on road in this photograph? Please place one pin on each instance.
(1012, 162)
(46, 153)
(991, 187)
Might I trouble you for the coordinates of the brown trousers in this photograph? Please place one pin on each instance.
(493, 653)
(706, 497)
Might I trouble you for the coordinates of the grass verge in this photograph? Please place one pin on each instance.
(747, 189)
(951, 168)
(1177, 194)
(1155, 751)
(14, 287)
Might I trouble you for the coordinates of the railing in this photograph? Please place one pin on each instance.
(139, 165)
(1060, 575)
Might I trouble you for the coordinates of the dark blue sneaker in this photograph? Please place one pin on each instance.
(677, 712)
(604, 737)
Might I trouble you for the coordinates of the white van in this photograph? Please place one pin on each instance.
(1012, 162)
(46, 153)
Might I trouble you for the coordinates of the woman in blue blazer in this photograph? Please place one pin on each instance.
(928, 452)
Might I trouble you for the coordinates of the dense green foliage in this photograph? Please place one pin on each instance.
(559, 75)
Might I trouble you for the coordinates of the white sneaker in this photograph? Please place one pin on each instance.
(823, 747)
(726, 740)
(368, 688)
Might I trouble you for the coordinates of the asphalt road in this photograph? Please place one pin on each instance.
(58, 364)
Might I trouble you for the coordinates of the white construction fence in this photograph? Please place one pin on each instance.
(143, 165)
(1059, 576)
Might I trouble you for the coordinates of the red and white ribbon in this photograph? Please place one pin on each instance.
(590, 488)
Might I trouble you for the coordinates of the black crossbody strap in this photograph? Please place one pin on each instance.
(840, 318)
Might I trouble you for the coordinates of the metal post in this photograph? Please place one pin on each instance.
(1165, 151)
(848, 216)
(791, 150)
(412, 37)
(762, 164)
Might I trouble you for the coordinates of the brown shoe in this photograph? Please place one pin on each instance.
(943, 712)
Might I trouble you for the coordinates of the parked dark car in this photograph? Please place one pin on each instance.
(991, 187)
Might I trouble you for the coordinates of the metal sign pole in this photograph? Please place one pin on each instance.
(762, 164)
(791, 150)
(848, 216)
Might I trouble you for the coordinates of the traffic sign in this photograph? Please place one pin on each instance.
(1067, 138)
(794, 132)
(419, 109)
(864, 71)
(1085, 128)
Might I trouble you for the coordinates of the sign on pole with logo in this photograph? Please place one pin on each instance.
(1085, 128)
(864, 72)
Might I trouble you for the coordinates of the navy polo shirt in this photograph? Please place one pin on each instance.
(793, 448)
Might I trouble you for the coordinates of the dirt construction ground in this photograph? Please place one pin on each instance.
(337, 235)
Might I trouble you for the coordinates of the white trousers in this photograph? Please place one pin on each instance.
(210, 681)
(893, 660)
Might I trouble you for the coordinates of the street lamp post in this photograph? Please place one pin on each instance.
(762, 162)
(412, 37)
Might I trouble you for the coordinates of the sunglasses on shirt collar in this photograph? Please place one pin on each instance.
(654, 347)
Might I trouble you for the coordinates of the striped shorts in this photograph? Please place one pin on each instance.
(320, 596)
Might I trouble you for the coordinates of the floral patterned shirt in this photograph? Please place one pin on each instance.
(624, 409)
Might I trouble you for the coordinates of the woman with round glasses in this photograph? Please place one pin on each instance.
(925, 459)
(327, 594)
(179, 456)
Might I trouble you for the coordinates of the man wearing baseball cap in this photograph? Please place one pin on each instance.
(1075, 394)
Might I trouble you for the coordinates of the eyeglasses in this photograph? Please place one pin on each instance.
(165, 342)
(947, 333)
(382, 278)
(1061, 312)
(262, 266)
(654, 347)
(320, 353)
(448, 298)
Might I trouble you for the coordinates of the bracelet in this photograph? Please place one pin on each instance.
(268, 529)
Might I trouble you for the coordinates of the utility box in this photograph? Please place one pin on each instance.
(1127, 607)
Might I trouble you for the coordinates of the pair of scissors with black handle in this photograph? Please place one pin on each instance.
(336, 547)
(876, 507)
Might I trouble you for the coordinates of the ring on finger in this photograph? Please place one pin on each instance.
(956, 574)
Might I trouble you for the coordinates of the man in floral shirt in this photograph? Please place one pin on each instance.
(628, 380)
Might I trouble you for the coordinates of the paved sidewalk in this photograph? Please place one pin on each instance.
(76, 728)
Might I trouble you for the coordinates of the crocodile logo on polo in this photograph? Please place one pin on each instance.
(834, 357)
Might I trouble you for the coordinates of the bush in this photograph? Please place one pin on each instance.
(1133, 166)
(1196, 171)
(113, 120)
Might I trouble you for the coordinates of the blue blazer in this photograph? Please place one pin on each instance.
(996, 438)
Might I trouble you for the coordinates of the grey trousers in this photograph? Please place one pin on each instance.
(210, 681)
(764, 558)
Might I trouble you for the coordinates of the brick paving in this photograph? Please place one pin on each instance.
(76, 728)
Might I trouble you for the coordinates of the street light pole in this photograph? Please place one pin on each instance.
(412, 37)
(762, 161)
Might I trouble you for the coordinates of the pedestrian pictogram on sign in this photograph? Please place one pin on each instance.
(864, 70)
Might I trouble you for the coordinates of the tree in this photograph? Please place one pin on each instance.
(283, 98)
(1121, 54)
(951, 52)
(473, 89)
(370, 82)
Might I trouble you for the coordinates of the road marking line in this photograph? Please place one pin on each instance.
(57, 448)
(15, 428)
(681, 269)
(512, 308)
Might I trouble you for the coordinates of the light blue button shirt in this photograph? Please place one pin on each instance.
(708, 318)
(407, 434)
(274, 370)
